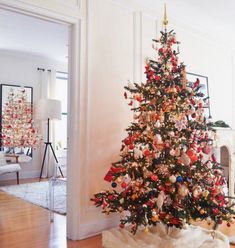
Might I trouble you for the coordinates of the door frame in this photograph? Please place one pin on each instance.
(76, 21)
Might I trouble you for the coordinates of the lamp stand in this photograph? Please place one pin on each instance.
(49, 145)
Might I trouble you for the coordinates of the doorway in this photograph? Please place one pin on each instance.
(75, 74)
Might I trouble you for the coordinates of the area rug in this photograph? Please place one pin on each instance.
(38, 194)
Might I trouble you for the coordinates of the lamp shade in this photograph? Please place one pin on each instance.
(48, 109)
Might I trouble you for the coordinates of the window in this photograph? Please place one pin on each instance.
(61, 93)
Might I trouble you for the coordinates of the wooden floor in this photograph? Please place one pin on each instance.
(24, 225)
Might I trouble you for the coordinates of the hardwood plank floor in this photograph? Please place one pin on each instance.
(24, 225)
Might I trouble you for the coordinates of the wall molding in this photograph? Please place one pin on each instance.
(48, 10)
(44, 9)
(88, 207)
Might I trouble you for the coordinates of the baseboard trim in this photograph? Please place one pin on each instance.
(96, 227)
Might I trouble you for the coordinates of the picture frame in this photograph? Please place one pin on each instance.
(4, 91)
(204, 88)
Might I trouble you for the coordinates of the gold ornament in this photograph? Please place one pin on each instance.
(202, 211)
(165, 19)
(134, 196)
(183, 190)
(205, 193)
(155, 218)
(146, 230)
(118, 180)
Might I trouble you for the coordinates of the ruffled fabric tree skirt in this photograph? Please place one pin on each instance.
(158, 237)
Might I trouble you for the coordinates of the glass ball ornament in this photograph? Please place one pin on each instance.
(179, 179)
(155, 218)
(172, 179)
(118, 180)
(183, 190)
(197, 191)
(202, 211)
(114, 185)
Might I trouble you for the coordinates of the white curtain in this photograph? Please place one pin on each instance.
(48, 84)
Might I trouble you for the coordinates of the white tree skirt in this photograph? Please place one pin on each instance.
(157, 237)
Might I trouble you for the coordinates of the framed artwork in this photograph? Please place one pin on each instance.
(192, 77)
(7, 93)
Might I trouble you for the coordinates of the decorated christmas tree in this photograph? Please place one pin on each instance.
(18, 129)
(167, 170)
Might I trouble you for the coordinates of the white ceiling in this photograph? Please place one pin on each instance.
(212, 18)
(21, 33)
(24, 34)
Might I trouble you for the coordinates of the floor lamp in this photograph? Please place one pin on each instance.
(48, 109)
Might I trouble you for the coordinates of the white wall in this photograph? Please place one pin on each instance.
(21, 69)
(119, 39)
(214, 60)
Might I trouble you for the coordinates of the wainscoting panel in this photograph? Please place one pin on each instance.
(148, 31)
(111, 57)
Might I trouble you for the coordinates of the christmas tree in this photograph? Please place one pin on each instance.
(168, 171)
(18, 129)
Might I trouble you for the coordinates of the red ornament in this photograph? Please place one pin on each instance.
(161, 50)
(150, 204)
(130, 103)
(147, 68)
(213, 158)
(174, 221)
(125, 95)
(109, 176)
(154, 178)
(104, 205)
(215, 210)
(157, 77)
(123, 185)
(192, 145)
(192, 155)
(196, 84)
(122, 225)
(127, 141)
(200, 105)
(117, 169)
(138, 98)
(96, 200)
(110, 197)
(147, 153)
(131, 146)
